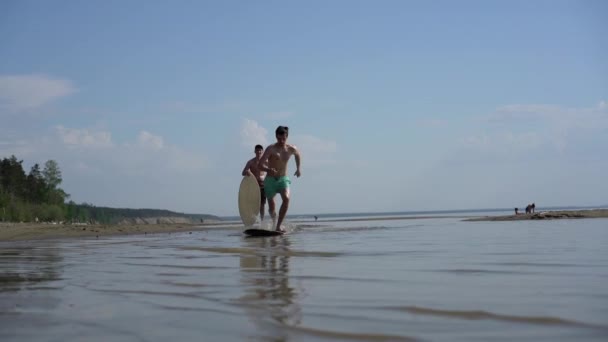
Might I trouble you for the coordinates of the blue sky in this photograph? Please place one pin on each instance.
(395, 105)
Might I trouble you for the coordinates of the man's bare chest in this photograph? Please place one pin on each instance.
(280, 155)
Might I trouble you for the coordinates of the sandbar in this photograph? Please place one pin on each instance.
(547, 215)
(42, 231)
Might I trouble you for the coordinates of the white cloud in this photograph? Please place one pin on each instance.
(532, 126)
(525, 140)
(478, 141)
(93, 150)
(315, 151)
(252, 134)
(508, 141)
(314, 144)
(84, 138)
(184, 161)
(26, 92)
(585, 117)
(147, 139)
(134, 173)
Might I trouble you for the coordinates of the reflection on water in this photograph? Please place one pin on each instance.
(27, 267)
(266, 282)
(28, 278)
(436, 280)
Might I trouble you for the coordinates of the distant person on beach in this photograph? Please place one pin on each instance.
(316, 218)
(274, 162)
(516, 209)
(251, 169)
(533, 207)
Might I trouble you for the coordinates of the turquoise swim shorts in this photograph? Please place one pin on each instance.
(272, 185)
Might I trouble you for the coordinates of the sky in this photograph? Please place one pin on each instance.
(394, 105)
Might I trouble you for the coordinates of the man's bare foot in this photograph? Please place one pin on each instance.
(282, 229)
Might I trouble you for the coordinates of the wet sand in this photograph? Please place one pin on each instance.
(547, 215)
(41, 231)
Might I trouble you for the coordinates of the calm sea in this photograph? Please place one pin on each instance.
(382, 280)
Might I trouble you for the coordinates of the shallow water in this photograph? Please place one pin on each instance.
(428, 279)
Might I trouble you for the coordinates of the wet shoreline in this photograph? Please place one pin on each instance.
(547, 215)
(43, 231)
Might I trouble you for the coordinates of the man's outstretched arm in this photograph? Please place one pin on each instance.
(298, 158)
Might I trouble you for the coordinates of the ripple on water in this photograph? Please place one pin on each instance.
(483, 315)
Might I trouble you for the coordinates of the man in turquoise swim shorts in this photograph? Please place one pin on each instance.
(274, 162)
(273, 185)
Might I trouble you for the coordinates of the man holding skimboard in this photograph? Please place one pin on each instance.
(251, 169)
(274, 162)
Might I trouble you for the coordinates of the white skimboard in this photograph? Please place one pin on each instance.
(249, 200)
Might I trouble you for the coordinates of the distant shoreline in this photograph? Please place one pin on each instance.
(546, 215)
(45, 231)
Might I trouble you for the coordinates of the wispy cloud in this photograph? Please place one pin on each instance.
(147, 139)
(147, 154)
(315, 144)
(585, 117)
(74, 137)
(315, 149)
(533, 126)
(143, 171)
(26, 92)
(252, 133)
(508, 141)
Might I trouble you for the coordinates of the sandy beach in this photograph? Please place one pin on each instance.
(41, 231)
(547, 215)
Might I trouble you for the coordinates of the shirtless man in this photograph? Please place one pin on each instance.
(276, 156)
(251, 169)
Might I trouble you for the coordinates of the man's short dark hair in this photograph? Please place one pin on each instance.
(259, 147)
(281, 130)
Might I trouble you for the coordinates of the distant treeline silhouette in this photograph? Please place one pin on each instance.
(36, 196)
(89, 213)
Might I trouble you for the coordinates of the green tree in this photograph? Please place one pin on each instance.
(36, 185)
(52, 179)
(52, 174)
(12, 177)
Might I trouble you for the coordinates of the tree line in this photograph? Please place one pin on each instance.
(31, 196)
(36, 196)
